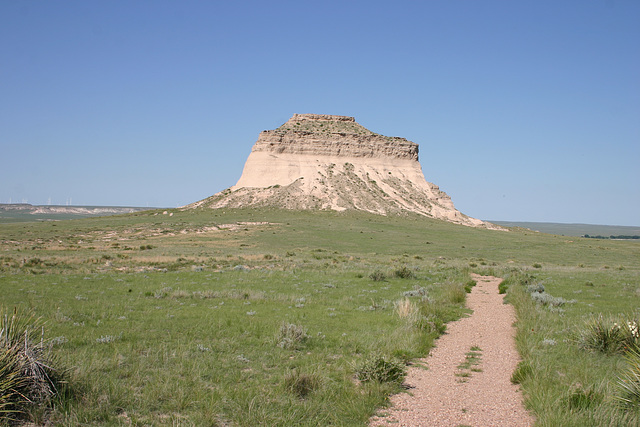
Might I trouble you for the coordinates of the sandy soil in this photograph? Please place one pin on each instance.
(448, 394)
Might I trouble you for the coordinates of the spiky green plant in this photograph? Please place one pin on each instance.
(26, 375)
(11, 382)
(609, 334)
(629, 382)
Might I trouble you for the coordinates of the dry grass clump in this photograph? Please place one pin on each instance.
(405, 309)
(378, 276)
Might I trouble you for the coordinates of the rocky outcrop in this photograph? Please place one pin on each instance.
(318, 161)
(326, 135)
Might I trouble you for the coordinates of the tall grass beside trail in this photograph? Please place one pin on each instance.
(565, 381)
(243, 347)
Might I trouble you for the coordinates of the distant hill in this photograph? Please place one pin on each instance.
(24, 212)
(574, 229)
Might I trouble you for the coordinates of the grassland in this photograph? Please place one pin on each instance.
(181, 318)
(575, 229)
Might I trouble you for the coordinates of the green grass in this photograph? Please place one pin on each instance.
(189, 329)
(472, 361)
(564, 382)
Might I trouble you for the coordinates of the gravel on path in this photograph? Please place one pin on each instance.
(478, 393)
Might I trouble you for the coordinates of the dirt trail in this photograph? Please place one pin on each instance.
(478, 393)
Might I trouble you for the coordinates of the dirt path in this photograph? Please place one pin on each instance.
(476, 393)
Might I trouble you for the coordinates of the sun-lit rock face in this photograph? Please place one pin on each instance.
(316, 161)
(325, 135)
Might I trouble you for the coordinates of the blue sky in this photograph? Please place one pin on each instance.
(524, 110)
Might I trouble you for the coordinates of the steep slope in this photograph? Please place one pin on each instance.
(331, 162)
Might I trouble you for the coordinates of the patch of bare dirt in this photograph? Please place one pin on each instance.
(459, 389)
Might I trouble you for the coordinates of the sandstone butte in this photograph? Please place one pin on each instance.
(316, 162)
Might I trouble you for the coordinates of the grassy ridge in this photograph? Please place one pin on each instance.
(176, 319)
(192, 236)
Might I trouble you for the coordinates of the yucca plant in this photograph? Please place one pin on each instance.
(602, 334)
(26, 375)
(609, 335)
(629, 382)
(11, 384)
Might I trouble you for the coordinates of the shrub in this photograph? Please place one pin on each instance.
(382, 369)
(291, 336)
(378, 276)
(418, 291)
(27, 377)
(404, 273)
(535, 288)
(549, 300)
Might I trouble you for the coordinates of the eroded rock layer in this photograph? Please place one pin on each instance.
(331, 162)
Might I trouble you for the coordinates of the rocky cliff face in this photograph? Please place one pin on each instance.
(331, 162)
(325, 135)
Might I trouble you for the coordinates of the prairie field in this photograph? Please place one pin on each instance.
(270, 317)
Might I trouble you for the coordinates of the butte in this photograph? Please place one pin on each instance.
(327, 162)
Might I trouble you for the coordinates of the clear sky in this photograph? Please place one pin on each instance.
(524, 110)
